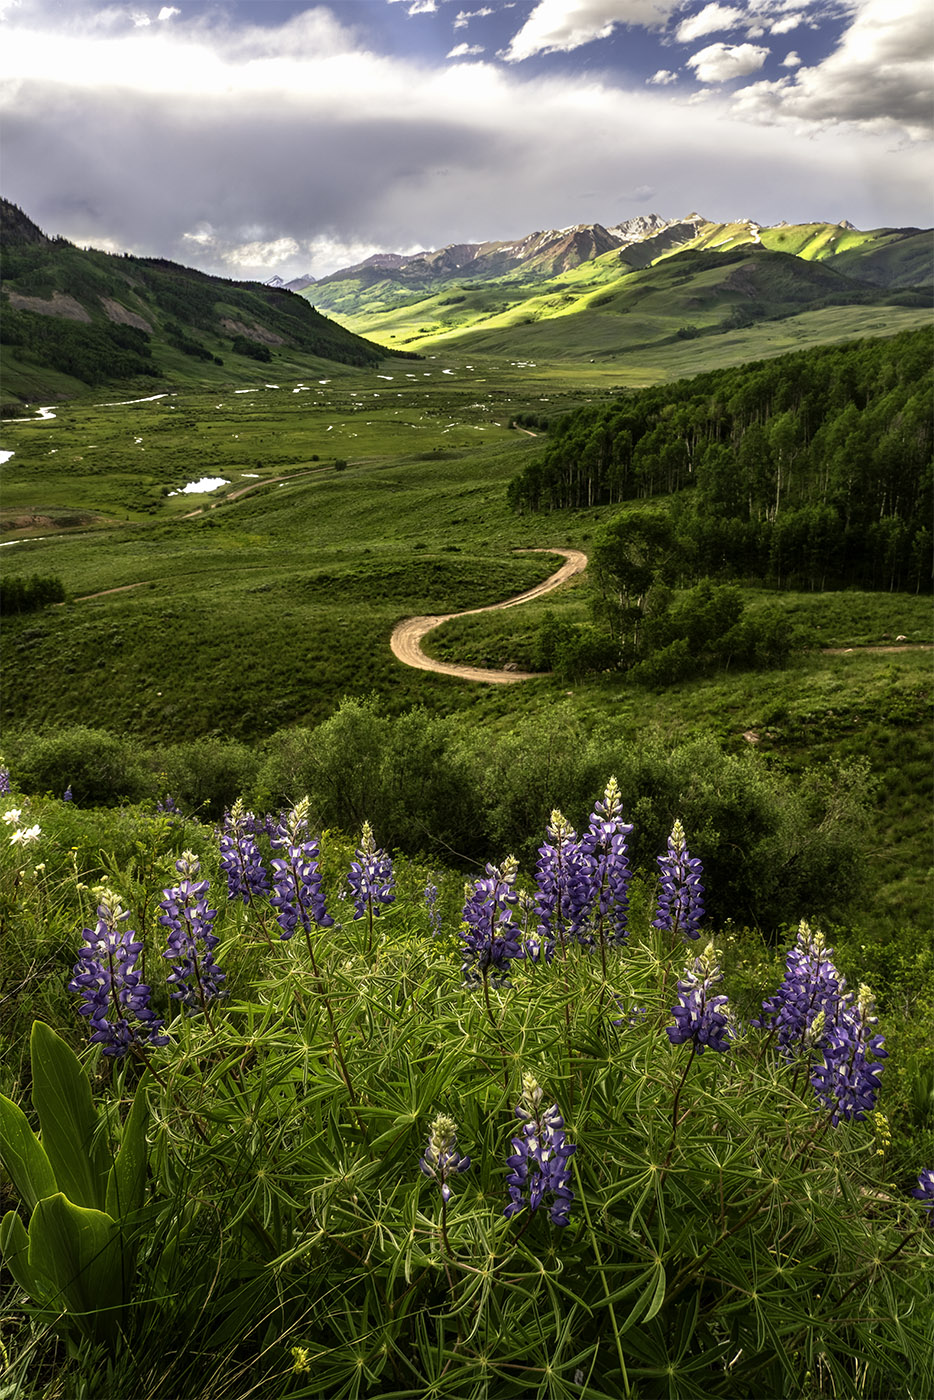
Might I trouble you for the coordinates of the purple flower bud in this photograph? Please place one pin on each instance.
(195, 978)
(489, 932)
(240, 857)
(115, 1000)
(680, 900)
(812, 988)
(297, 892)
(600, 893)
(539, 1161)
(431, 904)
(370, 877)
(698, 1017)
(442, 1159)
(4, 779)
(924, 1191)
(847, 1080)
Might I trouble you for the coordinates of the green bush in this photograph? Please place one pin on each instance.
(100, 768)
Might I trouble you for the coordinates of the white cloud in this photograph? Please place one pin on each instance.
(662, 78)
(785, 26)
(168, 12)
(423, 7)
(463, 17)
(465, 50)
(718, 63)
(791, 60)
(558, 26)
(879, 76)
(708, 21)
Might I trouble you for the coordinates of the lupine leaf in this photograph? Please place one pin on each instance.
(23, 1156)
(126, 1180)
(79, 1251)
(61, 1094)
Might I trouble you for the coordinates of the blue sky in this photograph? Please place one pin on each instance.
(278, 136)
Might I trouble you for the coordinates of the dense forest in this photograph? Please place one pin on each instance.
(811, 470)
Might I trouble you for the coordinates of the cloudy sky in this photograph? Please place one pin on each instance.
(252, 137)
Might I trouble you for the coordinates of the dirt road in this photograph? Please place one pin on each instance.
(407, 635)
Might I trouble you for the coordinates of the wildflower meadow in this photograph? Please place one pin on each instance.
(288, 1115)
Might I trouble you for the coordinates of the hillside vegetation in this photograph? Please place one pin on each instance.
(76, 317)
(814, 470)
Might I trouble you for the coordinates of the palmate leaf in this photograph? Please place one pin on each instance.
(23, 1156)
(61, 1094)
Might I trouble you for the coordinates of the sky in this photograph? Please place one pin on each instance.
(259, 137)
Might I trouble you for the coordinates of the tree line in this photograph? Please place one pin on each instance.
(811, 470)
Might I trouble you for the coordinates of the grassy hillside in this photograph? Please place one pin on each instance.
(76, 317)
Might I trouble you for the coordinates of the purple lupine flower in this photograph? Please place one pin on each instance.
(195, 978)
(600, 894)
(431, 904)
(489, 931)
(698, 1017)
(167, 806)
(115, 999)
(556, 877)
(240, 856)
(4, 779)
(680, 900)
(847, 1080)
(66, 795)
(812, 989)
(370, 877)
(442, 1159)
(297, 892)
(540, 1156)
(924, 1191)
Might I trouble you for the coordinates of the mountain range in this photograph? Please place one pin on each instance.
(471, 292)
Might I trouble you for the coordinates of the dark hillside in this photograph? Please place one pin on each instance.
(96, 317)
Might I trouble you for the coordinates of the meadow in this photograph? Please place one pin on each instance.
(285, 1229)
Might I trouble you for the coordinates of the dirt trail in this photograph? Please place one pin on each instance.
(407, 635)
(906, 646)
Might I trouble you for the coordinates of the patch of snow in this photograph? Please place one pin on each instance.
(205, 484)
(246, 391)
(120, 403)
(5, 456)
(256, 474)
(270, 386)
(384, 376)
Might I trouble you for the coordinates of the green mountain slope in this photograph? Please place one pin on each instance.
(76, 317)
(671, 280)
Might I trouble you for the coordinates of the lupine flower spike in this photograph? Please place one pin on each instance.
(847, 1080)
(4, 779)
(600, 896)
(116, 1000)
(680, 900)
(442, 1159)
(924, 1191)
(195, 979)
(297, 892)
(698, 1017)
(539, 1162)
(431, 904)
(240, 857)
(557, 877)
(370, 877)
(805, 1006)
(489, 931)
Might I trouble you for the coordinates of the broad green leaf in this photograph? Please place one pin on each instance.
(23, 1155)
(14, 1248)
(126, 1181)
(79, 1251)
(61, 1093)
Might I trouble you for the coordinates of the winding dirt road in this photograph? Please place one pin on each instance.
(407, 635)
